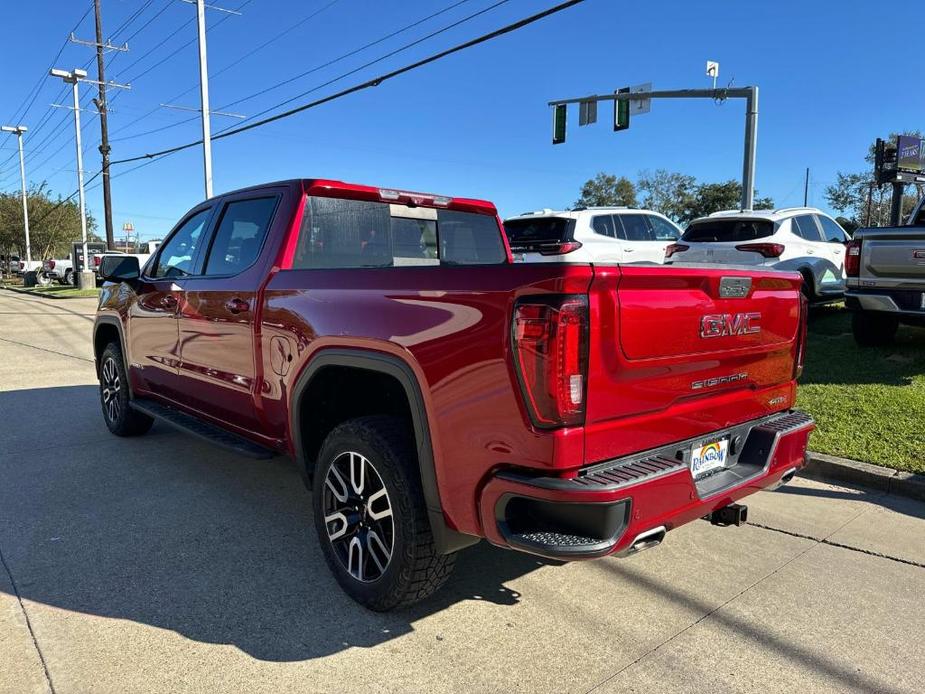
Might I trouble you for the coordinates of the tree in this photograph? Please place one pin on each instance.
(667, 192)
(680, 197)
(851, 191)
(606, 190)
(713, 197)
(53, 224)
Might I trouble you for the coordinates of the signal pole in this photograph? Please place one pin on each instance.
(750, 94)
(806, 189)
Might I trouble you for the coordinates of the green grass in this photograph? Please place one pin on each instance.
(869, 403)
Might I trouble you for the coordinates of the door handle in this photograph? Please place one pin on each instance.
(237, 305)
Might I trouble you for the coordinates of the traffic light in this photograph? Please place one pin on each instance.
(621, 112)
(558, 124)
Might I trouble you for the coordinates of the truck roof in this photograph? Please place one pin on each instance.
(354, 191)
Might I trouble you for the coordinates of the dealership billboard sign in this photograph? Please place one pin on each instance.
(910, 154)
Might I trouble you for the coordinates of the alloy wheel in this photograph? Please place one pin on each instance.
(111, 388)
(358, 516)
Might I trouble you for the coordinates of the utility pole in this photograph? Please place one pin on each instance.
(101, 106)
(103, 109)
(806, 189)
(204, 97)
(204, 88)
(19, 130)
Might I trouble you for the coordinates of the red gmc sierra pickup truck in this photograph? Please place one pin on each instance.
(433, 392)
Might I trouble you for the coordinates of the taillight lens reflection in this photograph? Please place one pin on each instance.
(551, 356)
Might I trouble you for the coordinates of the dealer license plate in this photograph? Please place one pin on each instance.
(709, 457)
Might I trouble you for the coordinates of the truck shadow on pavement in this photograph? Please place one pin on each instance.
(168, 531)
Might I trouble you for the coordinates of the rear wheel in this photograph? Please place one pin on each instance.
(121, 419)
(69, 277)
(873, 329)
(42, 279)
(370, 515)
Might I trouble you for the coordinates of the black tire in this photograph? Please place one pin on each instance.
(807, 288)
(120, 418)
(413, 569)
(69, 277)
(873, 329)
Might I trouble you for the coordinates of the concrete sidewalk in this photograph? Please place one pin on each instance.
(161, 564)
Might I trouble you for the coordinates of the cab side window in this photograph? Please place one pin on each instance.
(178, 254)
(241, 231)
(805, 227)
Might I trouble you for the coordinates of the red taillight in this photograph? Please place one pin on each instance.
(768, 250)
(558, 248)
(675, 248)
(853, 258)
(51, 264)
(801, 336)
(97, 260)
(551, 358)
(22, 265)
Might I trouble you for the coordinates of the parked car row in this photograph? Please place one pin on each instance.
(433, 392)
(797, 239)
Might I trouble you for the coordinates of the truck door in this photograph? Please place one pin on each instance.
(218, 363)
(152, 338)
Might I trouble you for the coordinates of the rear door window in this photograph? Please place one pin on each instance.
(731, 230)
(805, 227)
(635, 227)
(241, 231)
(340, 233)
(526, 233)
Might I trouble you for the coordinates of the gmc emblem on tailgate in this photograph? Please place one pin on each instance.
(724, 324)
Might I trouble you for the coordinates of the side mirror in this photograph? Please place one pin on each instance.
(119, 268)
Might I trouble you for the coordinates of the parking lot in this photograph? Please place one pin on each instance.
(161, 563)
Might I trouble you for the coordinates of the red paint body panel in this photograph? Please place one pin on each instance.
(451, 325)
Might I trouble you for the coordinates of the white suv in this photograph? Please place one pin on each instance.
(800, 239)
(591, 235)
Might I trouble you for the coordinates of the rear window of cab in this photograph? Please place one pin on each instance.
(538, 231)
(728, 230)
(341, 233)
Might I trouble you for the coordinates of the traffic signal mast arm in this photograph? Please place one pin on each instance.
(750, 94)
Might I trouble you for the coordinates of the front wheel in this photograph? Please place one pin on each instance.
(370, 515)
(120, 418)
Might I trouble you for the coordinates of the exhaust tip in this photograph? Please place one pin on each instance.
(647, 540)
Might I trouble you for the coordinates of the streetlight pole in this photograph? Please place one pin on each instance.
(19, 130)
(87, 278)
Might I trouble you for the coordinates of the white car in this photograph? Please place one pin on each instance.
(591, 235)
(797, 239)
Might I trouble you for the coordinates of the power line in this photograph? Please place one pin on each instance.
(333, 61)
(374, 82)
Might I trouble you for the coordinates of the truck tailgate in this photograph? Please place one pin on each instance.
(672, 354)
(898, 257)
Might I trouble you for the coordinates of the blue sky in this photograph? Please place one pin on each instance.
(475, 124)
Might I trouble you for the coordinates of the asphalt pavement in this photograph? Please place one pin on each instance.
(161, 564)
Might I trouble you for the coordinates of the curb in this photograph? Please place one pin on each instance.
(830, 468)
(42, 295)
